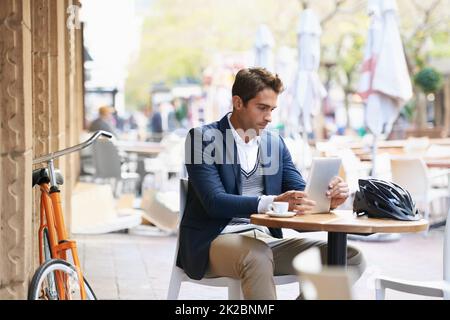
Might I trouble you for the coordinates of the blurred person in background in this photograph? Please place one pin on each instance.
(119, 121)
(132, 122)
(155, 126)
(181, 111)
(105, 120)
(172, 121)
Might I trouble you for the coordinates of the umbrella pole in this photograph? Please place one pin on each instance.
(305, 140)
(374, 155)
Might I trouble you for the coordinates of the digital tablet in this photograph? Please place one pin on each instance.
(322, 171)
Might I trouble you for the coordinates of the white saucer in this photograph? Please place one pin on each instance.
(281, 215)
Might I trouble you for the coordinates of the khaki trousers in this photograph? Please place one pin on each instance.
(254, 257)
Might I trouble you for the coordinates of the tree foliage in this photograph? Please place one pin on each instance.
(180, 38)
(429, 80)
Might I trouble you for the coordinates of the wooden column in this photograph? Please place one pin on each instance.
(15, 148)
(39, 113)
(47, 126)
(41, 78)
(79, 97)
(70, 116)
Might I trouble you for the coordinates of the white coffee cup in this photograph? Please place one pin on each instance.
(279, 207)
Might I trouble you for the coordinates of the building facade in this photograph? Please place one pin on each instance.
(41, 111)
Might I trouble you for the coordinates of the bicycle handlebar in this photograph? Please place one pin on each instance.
(77, 147)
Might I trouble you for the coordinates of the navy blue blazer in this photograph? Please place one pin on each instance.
(214, 191)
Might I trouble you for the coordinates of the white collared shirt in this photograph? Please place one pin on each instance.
(248, 156)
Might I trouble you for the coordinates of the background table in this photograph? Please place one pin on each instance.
(338, 224)
(442, 163)
(140, 147)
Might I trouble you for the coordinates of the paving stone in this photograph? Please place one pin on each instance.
(124, 266)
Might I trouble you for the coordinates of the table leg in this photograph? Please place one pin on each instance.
(337, 249)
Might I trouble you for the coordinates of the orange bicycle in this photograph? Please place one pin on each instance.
(57, 278)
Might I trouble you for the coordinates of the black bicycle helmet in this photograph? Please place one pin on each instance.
(383, 199)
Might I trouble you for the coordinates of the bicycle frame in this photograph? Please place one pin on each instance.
(52, 217)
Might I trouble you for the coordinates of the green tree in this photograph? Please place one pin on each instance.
(350, 55)
(429, 80)
(181, 38)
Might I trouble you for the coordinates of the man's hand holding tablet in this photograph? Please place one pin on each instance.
(338, 192)
(325, 190)
(298, 201)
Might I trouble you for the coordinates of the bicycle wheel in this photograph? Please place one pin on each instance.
(39, 287)
(51, 291)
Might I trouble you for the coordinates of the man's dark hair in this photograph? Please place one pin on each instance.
(250, 81)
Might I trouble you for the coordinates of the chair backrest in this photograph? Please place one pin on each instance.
(183, 195)
(106, 160)
(183, 198)
(411, 173)
(321, 283)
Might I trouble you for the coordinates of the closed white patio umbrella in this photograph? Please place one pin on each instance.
(264, 43)
(308, 90)
(385, 85)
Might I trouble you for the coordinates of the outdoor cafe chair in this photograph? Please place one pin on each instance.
(440, 288)
(108, 166)
(320, 282)
(178, 276)
(413, 174)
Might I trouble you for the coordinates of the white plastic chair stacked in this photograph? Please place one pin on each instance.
(178, 275)
(426, 288)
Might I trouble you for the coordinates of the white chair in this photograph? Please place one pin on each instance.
(169, 162)
(412, 174)
(321, 282)
(439, 175)
(426, 288)
(178, 275)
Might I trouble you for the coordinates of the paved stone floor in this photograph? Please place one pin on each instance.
(137, 265)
